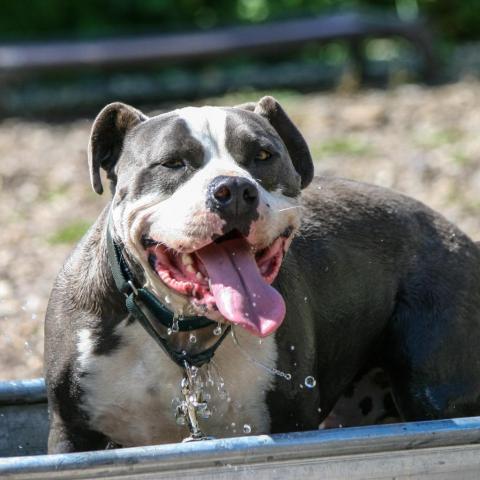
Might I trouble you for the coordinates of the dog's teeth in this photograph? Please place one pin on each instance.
(190, 269)
(199, 276)
(187, 259)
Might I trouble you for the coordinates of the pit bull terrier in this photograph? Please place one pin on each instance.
(214, 253)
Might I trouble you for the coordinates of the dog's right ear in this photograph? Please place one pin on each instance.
(268, 108)
(106, 139)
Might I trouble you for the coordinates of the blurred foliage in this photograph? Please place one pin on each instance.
(42, 19)
(70, 233)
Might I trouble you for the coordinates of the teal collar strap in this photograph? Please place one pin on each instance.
(140, 300)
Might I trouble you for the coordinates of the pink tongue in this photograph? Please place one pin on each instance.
(241, 294)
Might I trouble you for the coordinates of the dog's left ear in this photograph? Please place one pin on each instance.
(106, 139)
(296, 145)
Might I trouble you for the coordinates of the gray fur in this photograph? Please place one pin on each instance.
(372, 278)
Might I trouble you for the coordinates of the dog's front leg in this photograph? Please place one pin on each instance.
(64, 439)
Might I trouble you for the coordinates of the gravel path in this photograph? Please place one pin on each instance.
(423, 142)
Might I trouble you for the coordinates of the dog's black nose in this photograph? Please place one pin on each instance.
(234, 198)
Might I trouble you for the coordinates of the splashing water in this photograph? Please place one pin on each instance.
(217, 379)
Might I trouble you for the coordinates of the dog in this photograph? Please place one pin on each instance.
(283, 285)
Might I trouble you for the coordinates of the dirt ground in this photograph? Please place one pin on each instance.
(421, 141)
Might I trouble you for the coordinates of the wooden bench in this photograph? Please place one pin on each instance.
(219, 43)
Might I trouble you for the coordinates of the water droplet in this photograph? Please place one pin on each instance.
(292, 347)
(222, 394)
(167, 299)
(169, 331)
(217, 330)
(204, 412)
(310, 382)
(192, 338)
(234, 424)
(319, 409)
(247, 428)
(254, 304)
(184, 353)
(288, 376)
(180, 420)
(305, 299)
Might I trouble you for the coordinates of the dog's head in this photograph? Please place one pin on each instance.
(205, 202)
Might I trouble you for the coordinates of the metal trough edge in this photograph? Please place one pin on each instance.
(14, 392)
(264, 452)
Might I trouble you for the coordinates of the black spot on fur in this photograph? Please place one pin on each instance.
(108, 345)
(68, 400)
(366, 405)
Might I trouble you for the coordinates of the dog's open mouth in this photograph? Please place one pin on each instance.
(228, 275)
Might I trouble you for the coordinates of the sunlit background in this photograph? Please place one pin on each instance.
(373, 108)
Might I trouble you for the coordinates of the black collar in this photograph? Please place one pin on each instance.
(139, 298)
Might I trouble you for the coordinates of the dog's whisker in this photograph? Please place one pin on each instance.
(290, 208)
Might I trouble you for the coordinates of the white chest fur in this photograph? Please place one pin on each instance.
(129, 393)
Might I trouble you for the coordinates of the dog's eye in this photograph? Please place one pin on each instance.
(174, 163)
(263, 155)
